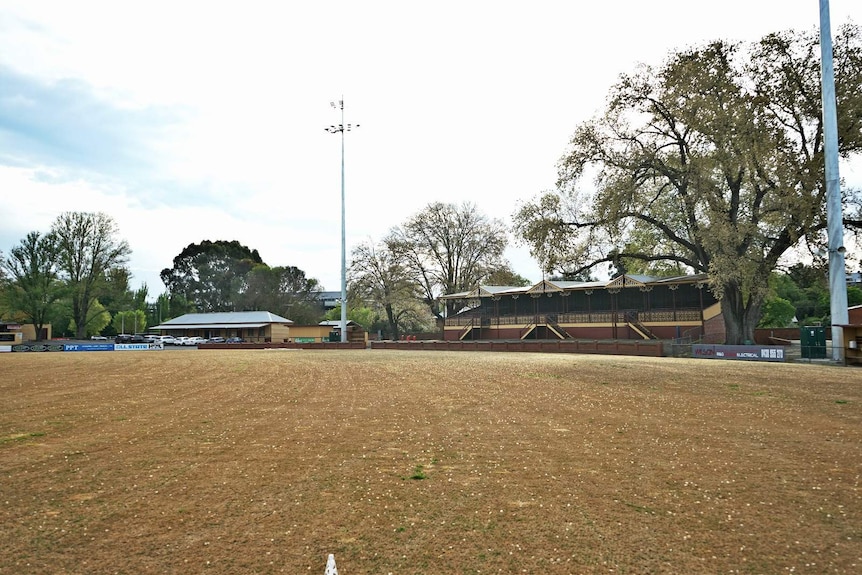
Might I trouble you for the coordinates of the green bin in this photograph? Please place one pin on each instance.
(812, 340)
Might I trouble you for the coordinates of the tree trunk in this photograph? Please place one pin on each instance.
(81, 322)
(393, 322)
(740, 317)
(732, 323)
(76, 316)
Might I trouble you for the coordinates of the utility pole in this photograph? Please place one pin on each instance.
(341, 128)
(834, 214)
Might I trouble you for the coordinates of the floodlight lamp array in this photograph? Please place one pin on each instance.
(341, 128)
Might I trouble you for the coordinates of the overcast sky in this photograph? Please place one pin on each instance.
(189, 121)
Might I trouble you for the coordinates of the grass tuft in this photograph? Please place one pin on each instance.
(20, 437)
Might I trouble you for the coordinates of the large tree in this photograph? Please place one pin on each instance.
(211, 275)
(117, 295)
(285, 291)
(712, 163)
(89, 249)
(100, 318)
(34, 285)
(379, 278)
(449, 248)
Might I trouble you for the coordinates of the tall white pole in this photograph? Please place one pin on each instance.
(834, 215)
(343, 238)
(342, 127)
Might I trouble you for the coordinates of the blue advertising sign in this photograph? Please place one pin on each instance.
(743, 352)
(88, 347)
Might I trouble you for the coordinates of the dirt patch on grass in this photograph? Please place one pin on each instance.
(426, 462)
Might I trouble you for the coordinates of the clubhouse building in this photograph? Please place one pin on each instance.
(252, 326)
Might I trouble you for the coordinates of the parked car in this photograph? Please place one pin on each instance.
(168, 339)
(234, 340)
(216, 340)
(126, 338)
(98, 338)
(181, 340)
(152, 338)
(194, 341)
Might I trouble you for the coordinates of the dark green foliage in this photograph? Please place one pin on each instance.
(805, 288)
(228, 276)
(285, 291)
(777, 312)
(211, 275)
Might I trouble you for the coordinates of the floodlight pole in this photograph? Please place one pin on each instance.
(341, 128)
(834, 216)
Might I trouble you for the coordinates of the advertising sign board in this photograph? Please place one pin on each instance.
(38, 347)
(54, 346)
(131, 346)
(88, 347)
(743, 352)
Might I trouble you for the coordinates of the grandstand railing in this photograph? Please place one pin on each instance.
(602, 316)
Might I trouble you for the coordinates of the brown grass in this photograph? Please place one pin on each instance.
(235, 462)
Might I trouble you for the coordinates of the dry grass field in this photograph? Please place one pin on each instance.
(235, 462)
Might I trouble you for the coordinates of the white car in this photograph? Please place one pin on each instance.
(181, 340)
(167, 339)
(194, 341)
(98, 338)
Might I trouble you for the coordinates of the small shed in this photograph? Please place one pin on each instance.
(14, 333)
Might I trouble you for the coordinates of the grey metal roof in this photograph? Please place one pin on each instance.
(633, 279)
(486, 291)
(229, 318)
(694, 278)
(209, 326)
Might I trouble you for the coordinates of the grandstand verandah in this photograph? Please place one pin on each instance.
(627, 307)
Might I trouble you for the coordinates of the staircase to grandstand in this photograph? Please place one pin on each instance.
(558, 329)
(638, 327)
(468, 329)
(546, 327)
(475, 324)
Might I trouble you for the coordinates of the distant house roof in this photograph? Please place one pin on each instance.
(329, 299)
(336, 323)
(226, 319)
